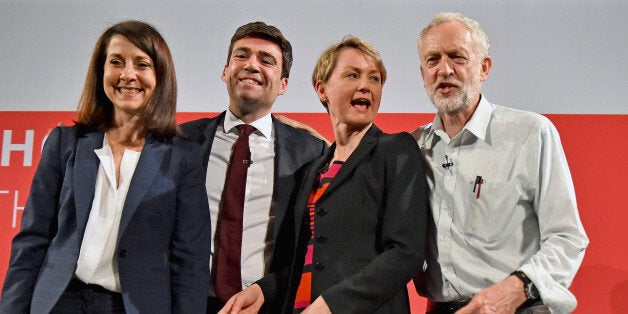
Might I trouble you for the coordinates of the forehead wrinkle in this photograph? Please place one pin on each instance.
(437, 45)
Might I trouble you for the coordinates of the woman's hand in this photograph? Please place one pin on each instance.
(319, 306)
(249, 300)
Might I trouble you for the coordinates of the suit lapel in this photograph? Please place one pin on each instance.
(209, 132)
(285, 146)
(147, 167)
(85, 171)
(367, 144)
(285, 149)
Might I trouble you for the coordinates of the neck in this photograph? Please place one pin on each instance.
(249, 113)
(454, 122)
(347, 139)
(129, 134)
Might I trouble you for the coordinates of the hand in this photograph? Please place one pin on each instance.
(319, 306)
(503, 297)
(302, 126)
(416, 134)
(50, 130)
(249, 300)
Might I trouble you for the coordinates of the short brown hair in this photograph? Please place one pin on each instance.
(271, 33)
(329, 58)
(95, 110)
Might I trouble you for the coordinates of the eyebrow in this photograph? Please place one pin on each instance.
(243, 49)
(356, 69)
(138, 57)
(262, 52)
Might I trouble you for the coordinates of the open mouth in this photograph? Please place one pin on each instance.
(127, 90)
(446, 86)
(361, 103)
(250, 81)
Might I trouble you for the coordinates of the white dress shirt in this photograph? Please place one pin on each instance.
(258, 221)
(96, 263)
(524, 216)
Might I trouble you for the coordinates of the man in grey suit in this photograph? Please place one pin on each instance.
(257, 70)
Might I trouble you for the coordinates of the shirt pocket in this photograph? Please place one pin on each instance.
(487, 214)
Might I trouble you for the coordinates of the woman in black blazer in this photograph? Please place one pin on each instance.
(358, 231)
(117, 219)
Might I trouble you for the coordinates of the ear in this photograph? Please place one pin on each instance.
(224, 73)
(284, 86)
(422, 74)
(320, 90)
(487, 63)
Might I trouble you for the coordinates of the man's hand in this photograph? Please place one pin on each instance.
(503, 297)
(416, 134)
(249, 300)
(319, 306)
(299, 125)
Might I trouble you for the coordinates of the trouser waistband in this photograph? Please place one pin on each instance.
(77, 285)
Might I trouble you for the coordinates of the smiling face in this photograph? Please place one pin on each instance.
(129, 76)
(353, 91)
(253, 77)
(451, 67)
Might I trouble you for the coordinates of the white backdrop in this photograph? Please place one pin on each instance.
(548, 56)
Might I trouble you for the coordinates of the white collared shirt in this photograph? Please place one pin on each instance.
(524, 216)
(258, 221)
(96, 263)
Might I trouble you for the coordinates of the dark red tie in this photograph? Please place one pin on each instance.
(228, 279)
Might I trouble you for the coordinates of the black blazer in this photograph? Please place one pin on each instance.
(293, 149)
(164, 237)
(370, 230)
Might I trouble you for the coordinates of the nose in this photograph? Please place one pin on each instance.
(364, 86)
(128, 73)
(252, 64)
(445, 68)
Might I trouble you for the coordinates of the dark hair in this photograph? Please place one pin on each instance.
(267, 32)
(95, 110)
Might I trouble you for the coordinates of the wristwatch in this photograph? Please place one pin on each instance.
(528, 286)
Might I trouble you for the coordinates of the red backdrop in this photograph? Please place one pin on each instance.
(595, 146)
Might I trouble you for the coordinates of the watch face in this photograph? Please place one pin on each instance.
(531, 291)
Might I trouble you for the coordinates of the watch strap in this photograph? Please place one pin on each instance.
(528, 286)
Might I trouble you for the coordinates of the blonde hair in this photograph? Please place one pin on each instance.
(329, 58)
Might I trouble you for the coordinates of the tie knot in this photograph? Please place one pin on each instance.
(246, 129)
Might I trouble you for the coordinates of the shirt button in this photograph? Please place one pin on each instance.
(319, 266)
(321, 239)
(321, 211)
(122, 252)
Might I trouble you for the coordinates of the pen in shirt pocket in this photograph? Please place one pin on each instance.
(478, 186)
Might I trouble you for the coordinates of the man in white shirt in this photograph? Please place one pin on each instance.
(257, 70)
(507, 236)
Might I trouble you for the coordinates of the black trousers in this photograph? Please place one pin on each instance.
(80, 297)
(214, 305)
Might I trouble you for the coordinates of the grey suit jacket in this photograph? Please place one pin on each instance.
(164, 237)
